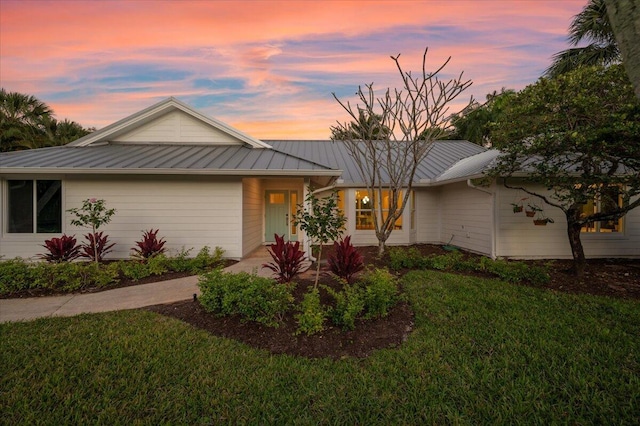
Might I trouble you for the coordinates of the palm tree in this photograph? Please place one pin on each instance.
(368, 127)
(591, 25)
(22, 121)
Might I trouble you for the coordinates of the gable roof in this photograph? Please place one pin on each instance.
(154, 112)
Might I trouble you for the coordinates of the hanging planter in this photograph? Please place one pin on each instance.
(531, 210)
(518, 206)
(542, 221)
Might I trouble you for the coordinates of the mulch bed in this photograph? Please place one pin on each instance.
(613, 278)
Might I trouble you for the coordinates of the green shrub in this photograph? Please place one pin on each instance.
(402, 257)
(157, 264)
(15, 275)
(254, 298)
(312, 315)
(380, 292)
(349, 304)
(205, 260)
(180, 262)
(134, 270)
(73, 276)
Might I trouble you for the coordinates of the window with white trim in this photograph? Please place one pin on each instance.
(34, 206)
(364, 216)
(608, 200)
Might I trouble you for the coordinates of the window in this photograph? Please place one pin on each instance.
(364, 216)
(34, 206)
(293, 205)
(608, 200)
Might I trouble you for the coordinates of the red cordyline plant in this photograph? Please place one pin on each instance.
(346, 261)
(96, 247)
(150, 245)
(61, 249)
(287, 259)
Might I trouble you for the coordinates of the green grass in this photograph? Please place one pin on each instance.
(482, 351)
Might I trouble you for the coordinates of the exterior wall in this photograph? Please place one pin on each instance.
(466, 218)
(518, 237)
(428, 218)
(189, 212)
(178, 127)
(252, 214)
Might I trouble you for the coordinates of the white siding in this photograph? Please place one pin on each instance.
(428, 216)
(252, 214)
(189, 213)
(518, 237)
(466, 218)
(178, 127)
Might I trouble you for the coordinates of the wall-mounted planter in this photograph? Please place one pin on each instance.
(530, 213)
(542, 222)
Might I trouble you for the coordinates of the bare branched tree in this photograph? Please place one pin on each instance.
(411, 118)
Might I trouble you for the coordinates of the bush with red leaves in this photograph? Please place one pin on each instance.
(61, 249)
(287, 259)
(150, 245)
(346, 261)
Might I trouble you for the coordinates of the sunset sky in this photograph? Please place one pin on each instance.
(265, 67)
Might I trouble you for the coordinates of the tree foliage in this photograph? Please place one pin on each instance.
(27, 123)
(575, 135)
(410, 119)
(591, 25)
(321, 220)
(474, 122)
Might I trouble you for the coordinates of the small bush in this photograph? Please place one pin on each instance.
(205, 261)
(149, 246)
(73, 276)
(287, 259)
(380, 292)
(254, 298)
(15, 275)
(181, 262)
(158, 264)
(405, 258)
(349, 304)
(63, 249)
(102, 246)
(312, 315)
(346, 260)
(134, 270)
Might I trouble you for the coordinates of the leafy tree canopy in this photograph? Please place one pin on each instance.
(26, 123)
(592, 26)
(577, 135)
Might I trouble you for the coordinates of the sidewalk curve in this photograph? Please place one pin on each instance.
(137, 296)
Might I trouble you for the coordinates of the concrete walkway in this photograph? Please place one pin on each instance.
(121, 298)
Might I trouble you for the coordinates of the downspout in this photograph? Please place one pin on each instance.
(493, 215)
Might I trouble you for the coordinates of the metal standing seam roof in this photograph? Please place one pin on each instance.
(160, 158)
(334, 154)
(446, 160)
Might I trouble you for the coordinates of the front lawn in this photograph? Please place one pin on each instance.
(482, 351)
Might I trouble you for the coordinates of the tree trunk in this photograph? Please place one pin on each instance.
(315, 285)
(381, 248)
(624, 16)
(579, 261)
